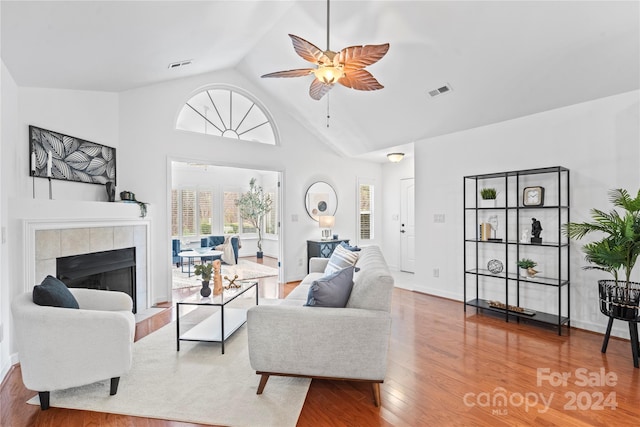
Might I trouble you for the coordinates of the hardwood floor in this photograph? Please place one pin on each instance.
(446, 368)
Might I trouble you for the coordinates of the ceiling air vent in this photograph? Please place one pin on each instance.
(443, 89)
(180, 63)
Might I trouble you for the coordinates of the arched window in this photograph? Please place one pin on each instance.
(227, 112)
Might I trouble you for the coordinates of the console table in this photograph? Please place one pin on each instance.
(322, 248)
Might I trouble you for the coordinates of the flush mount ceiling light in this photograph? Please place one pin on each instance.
(395, 157)
(345, 67)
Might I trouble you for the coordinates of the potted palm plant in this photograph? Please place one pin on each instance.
(616, 252)
(254, 205)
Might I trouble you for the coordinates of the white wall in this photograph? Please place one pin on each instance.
(149, 142)
(92, 116)
(596, 140)
(8, 107)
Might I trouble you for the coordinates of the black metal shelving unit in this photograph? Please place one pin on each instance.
(511, 248)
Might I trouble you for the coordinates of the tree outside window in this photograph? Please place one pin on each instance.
(188, 214)
(231, 214)
(205, 212)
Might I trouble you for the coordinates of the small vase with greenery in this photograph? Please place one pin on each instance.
(526, 263)
(205, 271)
(488, 197)
(615, 252)
(526, 267)
(488, 193)
(254, 205)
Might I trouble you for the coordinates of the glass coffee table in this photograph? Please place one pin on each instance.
(219, 326)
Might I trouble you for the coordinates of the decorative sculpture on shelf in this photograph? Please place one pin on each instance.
(536, 228)
(493, 221)
(217, 278)
(232, 282)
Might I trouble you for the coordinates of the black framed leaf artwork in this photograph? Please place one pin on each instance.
(58, 156)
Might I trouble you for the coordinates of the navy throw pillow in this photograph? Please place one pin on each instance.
(52, 292)
(332, 290)
(349, 248)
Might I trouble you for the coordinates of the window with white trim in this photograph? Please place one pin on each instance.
(227, 112)
(365, 210)
(191, 213)
(271, 219)
(231, 215)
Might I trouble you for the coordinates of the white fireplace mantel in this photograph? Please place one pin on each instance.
(58, 228)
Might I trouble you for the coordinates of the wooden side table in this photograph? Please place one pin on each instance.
(322, 248)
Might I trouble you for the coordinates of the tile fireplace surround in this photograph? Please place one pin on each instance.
(60, 242)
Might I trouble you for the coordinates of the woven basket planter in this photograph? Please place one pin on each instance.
(620, 301)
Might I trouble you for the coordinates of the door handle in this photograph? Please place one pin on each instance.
(402, 231)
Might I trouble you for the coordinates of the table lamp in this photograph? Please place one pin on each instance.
(326, 223)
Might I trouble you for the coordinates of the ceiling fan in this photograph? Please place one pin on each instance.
(345, 67)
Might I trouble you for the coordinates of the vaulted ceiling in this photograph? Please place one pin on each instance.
(502, 59)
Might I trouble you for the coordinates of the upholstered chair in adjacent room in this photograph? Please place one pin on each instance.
(175, 250)
(60, 348)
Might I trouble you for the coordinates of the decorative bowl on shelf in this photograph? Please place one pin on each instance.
(127, 195)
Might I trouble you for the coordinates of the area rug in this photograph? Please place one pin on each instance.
(245, 270)
(196, 384)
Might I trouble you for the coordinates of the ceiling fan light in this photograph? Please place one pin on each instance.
(328, 75)
(395, 157)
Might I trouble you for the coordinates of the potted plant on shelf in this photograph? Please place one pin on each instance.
(254, 205)
(616, 252)
(488, 197)
(526, 267)
(204, 270)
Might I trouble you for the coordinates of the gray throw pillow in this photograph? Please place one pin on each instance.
(332, 290)
(52, 292)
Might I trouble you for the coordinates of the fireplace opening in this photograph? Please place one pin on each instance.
(109, 270)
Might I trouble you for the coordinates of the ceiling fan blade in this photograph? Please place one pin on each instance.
(308, 51)
(360, 80)
(318, 89)
(356, 57)
(291, 73)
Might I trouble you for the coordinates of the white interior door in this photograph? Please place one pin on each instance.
(407, 225)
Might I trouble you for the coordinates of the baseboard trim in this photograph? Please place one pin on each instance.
(6, 374)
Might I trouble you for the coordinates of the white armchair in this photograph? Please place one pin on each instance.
(60, 348)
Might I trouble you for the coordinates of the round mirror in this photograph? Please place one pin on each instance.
(320, 200)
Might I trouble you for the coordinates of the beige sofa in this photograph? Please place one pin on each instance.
(348, 343)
